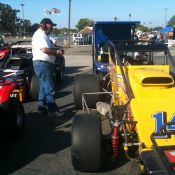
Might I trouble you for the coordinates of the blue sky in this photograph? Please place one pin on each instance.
(150, 12)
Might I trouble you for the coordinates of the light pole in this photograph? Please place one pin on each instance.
(150, 25)
(130, 16)
(22, 5)
(69, 17)
(166, 16)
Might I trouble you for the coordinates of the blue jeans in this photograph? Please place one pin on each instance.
(45, 70)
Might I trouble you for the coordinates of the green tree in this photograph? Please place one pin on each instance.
(34, 27)
(142, 28)
(56, 32)
(157, 28)
(84, 22)
(171, 22)
(8, 18)
(27, 25)
(10, 23)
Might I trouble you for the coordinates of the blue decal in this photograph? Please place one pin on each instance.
(159, 116)
(171, 127)
(161, 119)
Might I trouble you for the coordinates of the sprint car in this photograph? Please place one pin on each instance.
(20, 58)
(138, 105)
(104, 31)
(12, 116)
(58, 75)
(4, 51)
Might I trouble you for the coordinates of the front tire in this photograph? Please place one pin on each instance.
(86, 84)
(86, 142)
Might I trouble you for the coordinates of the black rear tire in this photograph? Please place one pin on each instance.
(34, 87)
(86, 142)
(17, 115)
(85, 84)
(13, 118)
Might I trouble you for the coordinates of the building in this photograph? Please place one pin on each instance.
(86, 35)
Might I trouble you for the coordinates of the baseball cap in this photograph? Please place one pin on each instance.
(47, 21)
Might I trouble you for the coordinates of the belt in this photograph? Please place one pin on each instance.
(39, 61)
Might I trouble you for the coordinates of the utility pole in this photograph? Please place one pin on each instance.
(150, 25)
(166, 16)
(69, 18)
(22, 5)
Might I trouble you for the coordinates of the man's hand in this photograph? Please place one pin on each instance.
(59, 52)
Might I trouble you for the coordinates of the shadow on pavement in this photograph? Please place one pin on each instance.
(75, 69)
(40, 137)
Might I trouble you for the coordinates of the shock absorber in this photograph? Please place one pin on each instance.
(115, 141)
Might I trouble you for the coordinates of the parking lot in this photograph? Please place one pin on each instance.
(44, 147)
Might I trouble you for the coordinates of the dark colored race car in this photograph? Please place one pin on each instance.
(58, 75)
(103, 31)
(20, 58)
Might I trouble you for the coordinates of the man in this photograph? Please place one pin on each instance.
(43, 62)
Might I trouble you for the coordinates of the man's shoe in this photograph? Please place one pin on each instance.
(42, 110)
(55, 114)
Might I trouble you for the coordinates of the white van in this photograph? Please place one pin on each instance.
(74, 35)
(77, 38)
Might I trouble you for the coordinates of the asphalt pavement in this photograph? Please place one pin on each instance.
(44, 147)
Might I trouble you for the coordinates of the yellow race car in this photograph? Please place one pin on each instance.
(138, 101)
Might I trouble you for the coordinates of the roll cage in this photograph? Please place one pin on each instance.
(105, 31)
(118, 50)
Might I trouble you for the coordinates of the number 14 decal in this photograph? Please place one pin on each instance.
(161, 119)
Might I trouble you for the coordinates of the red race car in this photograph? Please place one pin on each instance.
(12, 116)
(4, 51)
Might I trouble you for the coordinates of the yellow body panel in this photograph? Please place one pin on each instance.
(149, 99)
(152, 77)
(143, 111)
